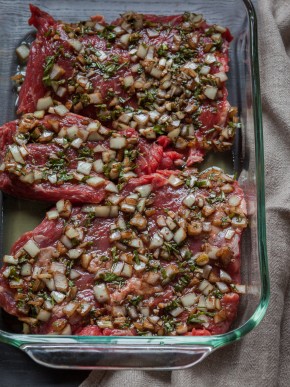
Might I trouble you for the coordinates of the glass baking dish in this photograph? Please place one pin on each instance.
(246, 160)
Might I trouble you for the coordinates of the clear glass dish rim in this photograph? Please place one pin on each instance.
(216, 341)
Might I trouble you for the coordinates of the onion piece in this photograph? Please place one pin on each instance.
(95, 181)
(58, 296)
(223, 288)
(189, 299)
(75, 253)
(142, 51)
(31, 248)
(26, 269)
(144, 190)
(16, 153)
(174, 181)
(43, 315)
(22, 52)
(180, 235)
(166, 233)
(189, 200)
(57, 267)
(204, 70)
(75, 44)
(102, 211)
(210, 92)
(156, 241)
(101, 293)
(56, 72)
(128, 81)
(84, 167)
(222, 76)
(118, 142)
(44, 103)
(98, 166)
(95, 98)
(234, 200)
(241, 289)
(60, 282)
(111, 187)
(225, 277)
(177, 311)
(10, 259)
(70, 308)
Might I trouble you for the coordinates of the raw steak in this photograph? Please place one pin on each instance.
(73, 157)
(164, 76)
(161, 258)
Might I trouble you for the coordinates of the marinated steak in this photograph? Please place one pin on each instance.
(71, 157)
(163, 76)
(162, 257)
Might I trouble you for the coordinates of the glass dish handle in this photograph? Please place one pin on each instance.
(92, 356)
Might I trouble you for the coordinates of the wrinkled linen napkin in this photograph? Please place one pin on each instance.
(262, 358)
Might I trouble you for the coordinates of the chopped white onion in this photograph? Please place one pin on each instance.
(70, 308)
(95, 98)
(166, 233)
(57, 296)
(76, 44)
(101, 293)
(111, 187)
(22, 52)
(189, 299)
(60, 282)
(118, 142)
(223, 288)
(52, 214)
(144, 190)
(156, 241)
(210, 92)
(10, 259)
(98, 166)
(95, 181)
(84, 167)
(75, 253)
(177, 311)
(224, 276)
(189, 200)
(61, 110)
(43, 315)
(142, 51)
(234, 200)
(222, 76)
(174, 181)
(57, 267)
(205, 70)
(16, 153)
(44, 103)
(179, 235)
(26, 269)
(31, 248)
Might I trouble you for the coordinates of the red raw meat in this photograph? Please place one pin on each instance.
(97, 76)
(170, 250)
(146, 159)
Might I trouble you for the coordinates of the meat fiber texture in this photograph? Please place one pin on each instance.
(168, 262)
(164, 76)
(53, 148)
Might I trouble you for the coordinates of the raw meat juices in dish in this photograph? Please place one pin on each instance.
(160, 258)
(63, 155)
(113, 116)
(163, 76)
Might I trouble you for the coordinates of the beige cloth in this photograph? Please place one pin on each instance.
(262, 358)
